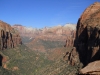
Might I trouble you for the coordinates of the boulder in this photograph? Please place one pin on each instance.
(91, 68)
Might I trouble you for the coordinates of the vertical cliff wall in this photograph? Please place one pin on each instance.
(9, 38)
(88, 34)
(87, 41)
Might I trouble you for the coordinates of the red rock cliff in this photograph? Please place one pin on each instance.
(9, 38)
(88, 34)
(70, 39)
(87, 41)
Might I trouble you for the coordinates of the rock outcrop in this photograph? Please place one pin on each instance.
(72, 57)
(9, 38)
(87, 41)
(88, 34)
(92, 68)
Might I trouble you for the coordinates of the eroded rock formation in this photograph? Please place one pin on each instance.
(72, 57)
(87, 41)
(9, 38)
(88, 34)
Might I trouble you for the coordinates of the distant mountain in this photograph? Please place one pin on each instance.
(47, 32)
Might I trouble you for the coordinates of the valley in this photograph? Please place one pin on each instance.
(70, 49)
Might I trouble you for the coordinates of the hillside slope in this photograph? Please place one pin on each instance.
(29, 59)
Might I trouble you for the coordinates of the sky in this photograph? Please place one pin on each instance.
(42, 13)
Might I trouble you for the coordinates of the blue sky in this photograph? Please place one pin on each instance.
(41, 13)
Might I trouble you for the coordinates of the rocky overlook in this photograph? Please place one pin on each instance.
(87, 41)
(9, 38)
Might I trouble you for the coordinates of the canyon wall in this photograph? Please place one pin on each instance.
(88, 34)
(9, 38)
(86, 47)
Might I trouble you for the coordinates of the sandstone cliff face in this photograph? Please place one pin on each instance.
(88, 34)
(9, 38)
(70, 39)
(87, 41)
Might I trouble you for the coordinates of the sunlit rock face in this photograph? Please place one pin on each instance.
(9, 38)
(70, 39)
(92, 68)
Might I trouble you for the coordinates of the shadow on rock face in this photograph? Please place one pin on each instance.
(87, 43)
(1, 57)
